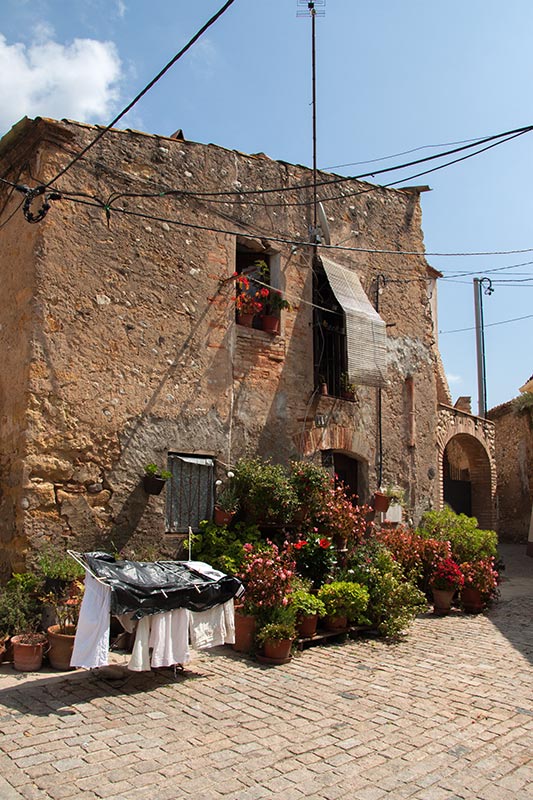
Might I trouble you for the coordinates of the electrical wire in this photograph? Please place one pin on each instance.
(147, 88)
(490, 325)
(403, 153)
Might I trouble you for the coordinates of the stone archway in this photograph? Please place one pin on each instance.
(467, 470)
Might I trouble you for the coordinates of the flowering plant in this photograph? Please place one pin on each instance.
(447, 575)
(341, 520)
(315, 558)
(267, 574)
(246, 301)
(480, 575)
(417, 556)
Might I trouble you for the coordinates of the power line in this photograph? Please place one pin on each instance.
(490, 325)
(130, 105)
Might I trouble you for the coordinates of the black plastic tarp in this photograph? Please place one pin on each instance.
(152, 588)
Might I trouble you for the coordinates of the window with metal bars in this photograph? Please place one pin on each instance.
(190, 493)
(329, 334)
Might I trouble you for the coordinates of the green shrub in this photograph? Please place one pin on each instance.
(276, 631)
(393, 600)
(20, 606)
(345, 598)
(468, 542)
(56, 564)
(306, 604)
(266, 495)
(222, 547)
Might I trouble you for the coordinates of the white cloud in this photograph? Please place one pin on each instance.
(121, 8)
(78, 80)
(453, 379)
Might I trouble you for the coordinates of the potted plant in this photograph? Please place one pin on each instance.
(348, 388)
(276, 640)
(247, 302)
(66, 607)
(315, 559)
(480, 584)
(308, 608)
(271, 317)
(154, 478)
(20, 612)
(345, 602)
(267, 574)
(445, 581)
(226, 502)
(380, 502)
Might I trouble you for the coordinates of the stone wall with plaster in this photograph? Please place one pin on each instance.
(131, 349)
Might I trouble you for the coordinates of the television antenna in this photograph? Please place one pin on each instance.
(313, 9)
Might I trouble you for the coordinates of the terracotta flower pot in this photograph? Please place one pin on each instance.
(442, 601)
(336, 622)
(28, 652)
(270, 323)
(61, 646)
(278, 649)
(245, 319)
(306, 626)
(245, 625)
(472, 600)
(221, 517)
(381, 502)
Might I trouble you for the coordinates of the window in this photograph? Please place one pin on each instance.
(190, 495)
(253, 271)
(350, 338)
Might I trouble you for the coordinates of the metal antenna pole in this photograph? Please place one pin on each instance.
(313, 12)
(480, 284)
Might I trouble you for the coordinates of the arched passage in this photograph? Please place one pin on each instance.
(467, 479)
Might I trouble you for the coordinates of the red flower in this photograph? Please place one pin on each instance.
(299, 545)
(324, 543)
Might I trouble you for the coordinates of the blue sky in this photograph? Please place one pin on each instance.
(392, 76)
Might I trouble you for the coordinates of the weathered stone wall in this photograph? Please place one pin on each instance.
(136, 351)
(514, 459)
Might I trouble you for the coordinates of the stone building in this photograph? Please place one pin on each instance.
(120, 343)
(513, 423)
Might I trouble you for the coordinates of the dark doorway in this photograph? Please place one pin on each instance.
(457, 488)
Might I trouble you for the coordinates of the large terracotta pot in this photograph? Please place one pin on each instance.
(472, 600)
(336, 623)
(245, 625)
(306, 626)
(28, 655)
(442, 601)
(278, 649)
(61, 646)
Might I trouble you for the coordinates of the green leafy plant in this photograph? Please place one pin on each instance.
(393, 601)
(265, 492)
(275, 631)
(227, 499)
(306, 604)
(347, 386)
(345, 598)
(467, 541)
(153, 469)
(223, 548)
(54, 564)
(276, 302)
(311, 482)
(20, 606)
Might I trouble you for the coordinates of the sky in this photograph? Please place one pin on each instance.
(392, 76)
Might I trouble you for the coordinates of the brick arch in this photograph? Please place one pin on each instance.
(475, 438)
(338, 438)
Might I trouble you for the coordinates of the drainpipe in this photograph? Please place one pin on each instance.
(379, 278)
(411, 423)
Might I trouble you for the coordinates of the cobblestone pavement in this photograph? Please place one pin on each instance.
(446, 713)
